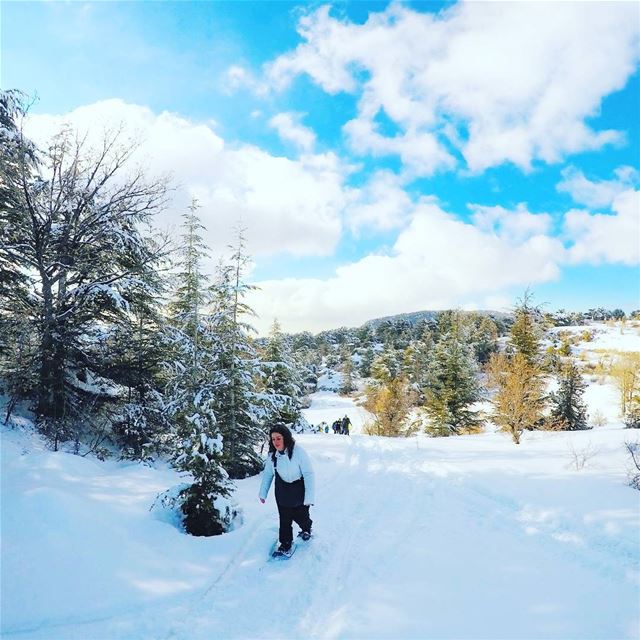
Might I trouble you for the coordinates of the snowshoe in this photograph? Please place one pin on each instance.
(282, 552)
(304, 535)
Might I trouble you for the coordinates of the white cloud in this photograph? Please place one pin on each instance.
(419, 151)
(237, 77)
(597, 193)
(290, 130)
(381, 204)
(514, 226)
(502, 82)
(437, 262)
(612, 238)
(440, 261)
(301, 207)
(288, 206)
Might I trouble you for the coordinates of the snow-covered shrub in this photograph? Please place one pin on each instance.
(188, 509)
(632, 418)
(598, 419)
(302, 425)
(201, 515)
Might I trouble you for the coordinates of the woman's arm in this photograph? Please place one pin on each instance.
(267, 478)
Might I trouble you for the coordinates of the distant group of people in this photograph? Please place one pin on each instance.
(341, 426)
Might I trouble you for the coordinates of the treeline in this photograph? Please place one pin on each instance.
(112, 333)
(430, 372)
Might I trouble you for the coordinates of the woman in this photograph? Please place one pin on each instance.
(290, 465)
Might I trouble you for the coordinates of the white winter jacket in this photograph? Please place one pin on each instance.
(290, 470)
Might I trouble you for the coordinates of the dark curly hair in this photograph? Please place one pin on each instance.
(289, 440)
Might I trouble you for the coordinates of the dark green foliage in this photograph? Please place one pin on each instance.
(201, 518)
(347, 371)
(632, 417)
(281, 381)
(453, 383)
(237, 404)
(568, 410)
(387, 365)
(526, 330)
(366, 362)
(194, 382)
(71, 219)
(484, 337)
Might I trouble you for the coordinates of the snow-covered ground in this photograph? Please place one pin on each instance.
(465, 537)
(621, 337)
(607, 342)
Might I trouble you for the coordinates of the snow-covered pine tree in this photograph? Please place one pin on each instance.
(484, 338)
(526, 330)
(77, 228)
(453, 384)
(18, 337)
(347, 385)
(386, 366)
(568, 410)
(194, 380)
(307, 360)
(18, 161)
(416, 359)
(239, 407)
(281, 384)
(136, 355)
(367, 360)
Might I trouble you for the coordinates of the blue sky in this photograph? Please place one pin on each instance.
(384, 157)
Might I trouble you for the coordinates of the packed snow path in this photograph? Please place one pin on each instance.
(406, 550)
(467, 537)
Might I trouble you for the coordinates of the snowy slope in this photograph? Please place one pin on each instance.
(614, 336)
(327, 406)
(466, 537)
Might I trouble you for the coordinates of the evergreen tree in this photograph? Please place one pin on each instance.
(192, 286)
(568, 409)
(347, 372)
(526, 330)
(484, 337)
(194, 381)
(389, 397)
(280, 381)
(453, 384)
(18, 323)
(135, 358)
(18, 164)
(386, 366)
(239, 406)
(75, 226)
(366, 362)
(416, 362)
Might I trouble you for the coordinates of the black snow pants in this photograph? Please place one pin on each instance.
(290, 498)
(288, 515)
